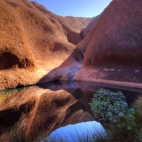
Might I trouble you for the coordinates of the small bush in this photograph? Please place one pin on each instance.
(110, 106)
(121, 122)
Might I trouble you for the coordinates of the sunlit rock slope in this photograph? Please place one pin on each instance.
(33, 41)
(72, 25)
(38, 46)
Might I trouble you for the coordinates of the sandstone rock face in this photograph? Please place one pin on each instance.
(36, 45)
(112, 50)
(72, 25)
(116, 39)
(33, 41)
(14, 48)
(92, 24)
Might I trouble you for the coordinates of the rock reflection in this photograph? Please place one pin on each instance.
(32, 113)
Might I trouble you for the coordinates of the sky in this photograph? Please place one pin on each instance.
(76, 8)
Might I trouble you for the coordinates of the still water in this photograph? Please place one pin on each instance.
(53, 110)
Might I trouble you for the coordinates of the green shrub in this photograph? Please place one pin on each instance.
(110, 106)
(121, 122)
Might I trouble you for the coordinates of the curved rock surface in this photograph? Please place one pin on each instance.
(72, 25)
(36, 45)
(112, 50)
(33, 41)
(92, 24)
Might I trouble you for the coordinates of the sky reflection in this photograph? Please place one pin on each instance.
(77, 131)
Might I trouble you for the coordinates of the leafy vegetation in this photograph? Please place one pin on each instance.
(110, 106)
(121, 122)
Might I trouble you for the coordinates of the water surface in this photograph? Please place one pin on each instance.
(34, 113)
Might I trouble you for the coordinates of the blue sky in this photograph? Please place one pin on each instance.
(77, 8)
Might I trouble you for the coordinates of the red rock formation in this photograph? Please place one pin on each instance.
(36, 45)
(14, 48)
(72, 25)
(113, 48)
(32, 42)
(112, 51)
(92, 24)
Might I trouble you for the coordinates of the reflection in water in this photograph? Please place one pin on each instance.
(36, 111)
(32, 113)
(76, 132)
